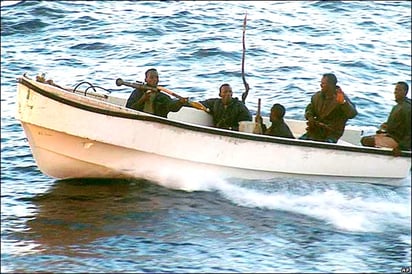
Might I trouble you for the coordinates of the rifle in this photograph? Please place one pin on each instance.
(258, 126)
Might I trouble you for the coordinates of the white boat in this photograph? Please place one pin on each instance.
(88, 134)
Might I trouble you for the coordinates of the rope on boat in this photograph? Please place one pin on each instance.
(91, 86)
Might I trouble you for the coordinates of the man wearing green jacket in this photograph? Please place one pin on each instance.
(328, 112)
(396, 131)
(227, 111)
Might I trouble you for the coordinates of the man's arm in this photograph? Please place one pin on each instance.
(405, 142)
(133, 101)
(310, 112)
(349, 108)
(244, 113)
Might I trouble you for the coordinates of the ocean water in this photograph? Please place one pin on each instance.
(196, 225)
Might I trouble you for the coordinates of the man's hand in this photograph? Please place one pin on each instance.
(311, 123)
(258, 119)
(396, 151)
(340, 98)
(145, 97)
(184, 100)
(382, 128)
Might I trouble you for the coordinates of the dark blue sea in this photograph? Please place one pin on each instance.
(278, 226)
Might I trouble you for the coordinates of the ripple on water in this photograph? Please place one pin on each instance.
(129, 226)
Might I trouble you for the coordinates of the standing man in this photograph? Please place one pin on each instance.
(328, 112)
(227, 111)
(396, 131)
(153, 101)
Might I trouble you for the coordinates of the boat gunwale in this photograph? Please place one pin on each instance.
(204, 129)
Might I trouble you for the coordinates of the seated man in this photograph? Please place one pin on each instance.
(227, 112)
(328, 112)
(153, 101)
(278, 127)
(396, 131)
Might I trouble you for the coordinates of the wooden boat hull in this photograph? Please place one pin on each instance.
(72, 135)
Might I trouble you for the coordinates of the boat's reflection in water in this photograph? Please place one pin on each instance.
(76, 212)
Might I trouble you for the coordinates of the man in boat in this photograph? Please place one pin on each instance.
(328, 112)
(152, 100)
(395, 133)
(278, 127)
(227, 111)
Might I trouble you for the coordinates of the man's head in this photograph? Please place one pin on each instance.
(277, 112)
(225, 92)
(401, 89)
(152, 77)
(328, 82)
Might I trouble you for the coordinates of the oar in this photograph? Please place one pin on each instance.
(244, 95)
(258, 126)
(197, 105)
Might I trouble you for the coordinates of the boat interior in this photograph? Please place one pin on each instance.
(351, 136)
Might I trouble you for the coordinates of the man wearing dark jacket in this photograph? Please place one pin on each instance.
(278, 125)
(396, 131)
(153, 101)
(328, 112)
(227, 111)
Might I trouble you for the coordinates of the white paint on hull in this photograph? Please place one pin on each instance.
(70, 142)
